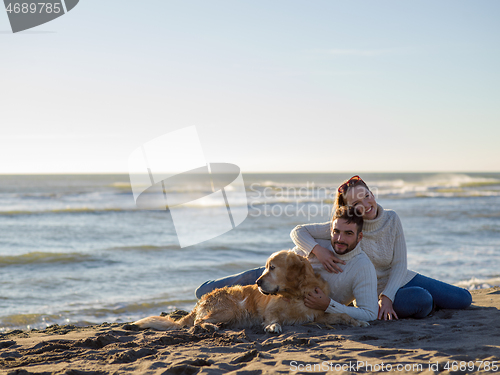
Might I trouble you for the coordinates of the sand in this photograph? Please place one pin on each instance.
(449, 341)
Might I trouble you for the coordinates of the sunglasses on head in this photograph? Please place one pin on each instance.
(346, 185)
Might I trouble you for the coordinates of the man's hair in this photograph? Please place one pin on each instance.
(350, 215)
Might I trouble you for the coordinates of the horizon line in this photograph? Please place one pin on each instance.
(249, 172)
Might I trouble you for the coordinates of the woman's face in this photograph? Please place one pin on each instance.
(363, 200)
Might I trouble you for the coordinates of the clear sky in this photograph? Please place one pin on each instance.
(271, 85)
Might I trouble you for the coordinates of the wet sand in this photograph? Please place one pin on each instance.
(449, 341)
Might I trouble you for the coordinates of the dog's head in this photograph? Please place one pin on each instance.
(285, 272)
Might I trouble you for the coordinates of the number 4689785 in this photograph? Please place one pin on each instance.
(33, 8)
(471, 366)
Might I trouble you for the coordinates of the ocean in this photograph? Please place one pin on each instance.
(75, 249)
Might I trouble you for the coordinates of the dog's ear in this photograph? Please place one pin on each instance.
(295, 267)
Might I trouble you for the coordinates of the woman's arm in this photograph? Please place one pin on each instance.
(399, 265)
(303, 236)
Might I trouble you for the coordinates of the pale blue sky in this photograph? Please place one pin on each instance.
(276, 86)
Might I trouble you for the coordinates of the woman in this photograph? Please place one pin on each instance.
(402, 293)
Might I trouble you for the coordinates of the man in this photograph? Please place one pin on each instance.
(357, 279)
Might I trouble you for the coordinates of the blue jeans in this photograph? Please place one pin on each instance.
(417, 297)
(245, 278)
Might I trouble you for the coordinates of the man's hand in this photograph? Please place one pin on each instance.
(317, 300)
(385, 310)
(327, 258)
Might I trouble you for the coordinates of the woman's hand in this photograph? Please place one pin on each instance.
(385, 310)
(327, 258)
(317, 300)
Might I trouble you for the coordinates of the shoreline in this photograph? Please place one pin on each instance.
(440, 343)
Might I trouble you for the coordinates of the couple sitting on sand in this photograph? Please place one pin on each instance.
(361, 253)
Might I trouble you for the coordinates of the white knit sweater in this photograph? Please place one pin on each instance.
(383, 241)
(358, 281)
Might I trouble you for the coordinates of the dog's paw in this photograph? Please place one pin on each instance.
(202, 328)
(363, 324)
(273, 328)
(210, 327)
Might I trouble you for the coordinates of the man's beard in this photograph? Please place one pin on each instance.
(347, 249)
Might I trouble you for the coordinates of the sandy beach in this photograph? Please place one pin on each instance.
(447, 342)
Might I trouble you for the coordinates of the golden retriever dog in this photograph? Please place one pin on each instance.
(276, 299)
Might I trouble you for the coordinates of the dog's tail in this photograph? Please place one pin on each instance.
(165, 323)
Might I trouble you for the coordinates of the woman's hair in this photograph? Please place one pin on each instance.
(344, 188)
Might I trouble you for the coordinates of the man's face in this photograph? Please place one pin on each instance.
(345, 236)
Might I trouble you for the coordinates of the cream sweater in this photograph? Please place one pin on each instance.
(358, 281)
(383, 241)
